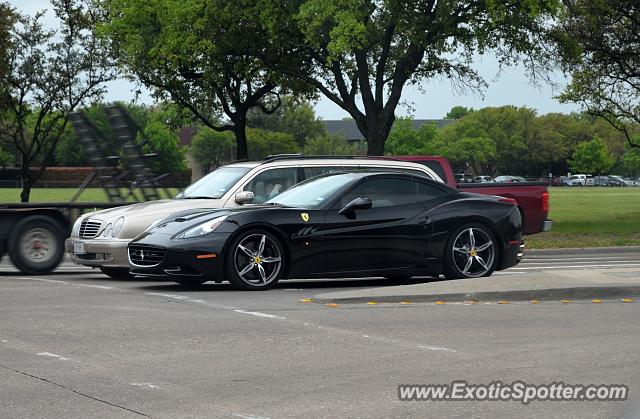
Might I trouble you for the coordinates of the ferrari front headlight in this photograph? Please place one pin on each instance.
(203, 229)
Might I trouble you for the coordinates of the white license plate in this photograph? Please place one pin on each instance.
(78, 248)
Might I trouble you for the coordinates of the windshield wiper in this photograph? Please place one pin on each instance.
(198, 197)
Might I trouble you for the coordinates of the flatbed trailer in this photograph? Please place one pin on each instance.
(33, 234)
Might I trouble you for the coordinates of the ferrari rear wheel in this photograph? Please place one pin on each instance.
(471, 252)
(255, 261)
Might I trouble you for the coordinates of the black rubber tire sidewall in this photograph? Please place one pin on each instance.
(450, 269)
(230, 270)
(13, 247)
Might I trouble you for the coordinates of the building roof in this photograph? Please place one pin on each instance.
(348, 129)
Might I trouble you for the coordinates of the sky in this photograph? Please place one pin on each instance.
(431, 100)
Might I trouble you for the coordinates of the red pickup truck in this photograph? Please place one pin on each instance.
(532, 197)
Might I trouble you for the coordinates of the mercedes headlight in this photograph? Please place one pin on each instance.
(204, 228)
(117, 227)
(107, 231)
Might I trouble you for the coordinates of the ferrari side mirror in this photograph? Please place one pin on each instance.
(356, 204)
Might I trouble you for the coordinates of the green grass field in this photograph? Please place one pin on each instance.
(584, 217)
(591, 217)
(58, 195)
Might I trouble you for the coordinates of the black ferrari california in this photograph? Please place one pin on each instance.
(389, 225)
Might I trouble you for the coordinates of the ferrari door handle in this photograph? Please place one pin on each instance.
(427, 220)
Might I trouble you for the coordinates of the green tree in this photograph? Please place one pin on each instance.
(50, 74)
(361, 54)
(265, 143)
(405, 140)
(458, 112)
(600, 48)
(212, 148)
(631, 161)
(199, 55)
(6, 158)
(330, 145)
(294, 116)
(591, 157)
(161, 139)
(69, 151)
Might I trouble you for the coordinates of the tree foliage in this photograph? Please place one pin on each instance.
(591, 157)
(294, 116)
(361, 54)
(330, 145)
(212, 148)
(48, 75)
(599, 46)
(198, 54)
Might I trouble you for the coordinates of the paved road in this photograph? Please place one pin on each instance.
(82, 345)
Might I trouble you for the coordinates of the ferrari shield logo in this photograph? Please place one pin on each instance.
(305, 216)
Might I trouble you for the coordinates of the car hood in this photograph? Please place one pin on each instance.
(138, 217)
(179, 221)
(155, 209)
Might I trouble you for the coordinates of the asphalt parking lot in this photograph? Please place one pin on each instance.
(78, 344)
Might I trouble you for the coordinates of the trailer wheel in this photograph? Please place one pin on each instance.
(36, 245)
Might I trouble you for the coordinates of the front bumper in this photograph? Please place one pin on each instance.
(99, 253)
(183, 259)
(547, 225)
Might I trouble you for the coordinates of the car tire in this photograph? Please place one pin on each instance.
(255, 260)
(49, 236)
(470, 255)
(117, 273)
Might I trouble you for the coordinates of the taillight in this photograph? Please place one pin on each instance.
(545, 201)
(507, 200)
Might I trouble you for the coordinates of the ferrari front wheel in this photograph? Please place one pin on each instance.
(471, 252)
(255, 261)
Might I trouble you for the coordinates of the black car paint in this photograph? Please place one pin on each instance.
(402, 240)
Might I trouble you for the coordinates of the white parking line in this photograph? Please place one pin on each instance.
(49, 354)
(621, 265)
(258, 314)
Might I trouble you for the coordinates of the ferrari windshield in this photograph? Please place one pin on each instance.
(314, 192)
(215, 184)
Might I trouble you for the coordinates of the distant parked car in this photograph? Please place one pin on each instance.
(482, 179)
(577, 180)
(590, 181)
(558, 181)
(619, 180)
(463, 178)
(508, 179)
(603, 181)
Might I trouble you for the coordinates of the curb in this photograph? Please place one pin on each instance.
(581, 250)
(577, 293)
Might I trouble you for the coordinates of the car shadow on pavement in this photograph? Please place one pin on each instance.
(295, 284)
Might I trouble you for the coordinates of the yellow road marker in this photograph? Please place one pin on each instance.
(566, 301)
(405, 302)
(627, 300)
(372, 303)
(595, 300)
(503, 302)
(331, 305)
(306, 300)
(535, 301)
(440, 303)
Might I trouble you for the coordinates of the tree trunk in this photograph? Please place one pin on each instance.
(376, 131)
(26, 184)
(242, 151)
